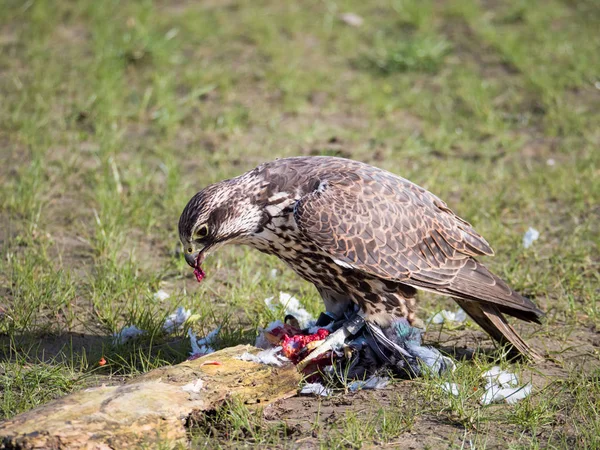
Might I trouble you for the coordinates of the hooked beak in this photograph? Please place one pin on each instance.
(195, 258)
(190, 258)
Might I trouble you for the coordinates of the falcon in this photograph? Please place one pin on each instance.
(363, 236)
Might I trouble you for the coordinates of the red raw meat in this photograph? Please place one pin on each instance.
(292, 345)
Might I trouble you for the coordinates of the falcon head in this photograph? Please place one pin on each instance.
(221, 213)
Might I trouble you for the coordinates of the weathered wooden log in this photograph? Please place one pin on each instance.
(150, 409)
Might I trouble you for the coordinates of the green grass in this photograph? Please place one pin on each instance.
(114, 114)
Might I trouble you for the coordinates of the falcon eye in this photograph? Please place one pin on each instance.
(190, 249)
(202, 232)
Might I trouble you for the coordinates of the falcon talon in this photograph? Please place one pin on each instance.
(363, 236)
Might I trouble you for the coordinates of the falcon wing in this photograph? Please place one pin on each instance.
(386, 226)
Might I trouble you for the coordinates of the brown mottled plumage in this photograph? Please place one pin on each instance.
(360, 235)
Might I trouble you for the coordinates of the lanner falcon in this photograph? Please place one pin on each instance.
(361, 235)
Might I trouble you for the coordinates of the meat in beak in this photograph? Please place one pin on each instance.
(194, 260)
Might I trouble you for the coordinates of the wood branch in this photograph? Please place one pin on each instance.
(150, 409)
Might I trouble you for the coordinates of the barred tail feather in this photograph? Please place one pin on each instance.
(489, 317)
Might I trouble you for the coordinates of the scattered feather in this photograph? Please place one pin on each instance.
(530, 236)
(176, 320)
(126, 334)
(316, 389)
(210, 337)
(497, 394)
(434, 361)
(161, 295)
(202, 346)
(450, 388)
(354, 20)
(502, 378)
(291, 306)
(374, 382)
(271, 357)
(448, 316)
(502, 385)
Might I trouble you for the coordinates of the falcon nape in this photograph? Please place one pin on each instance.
(361, 235)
